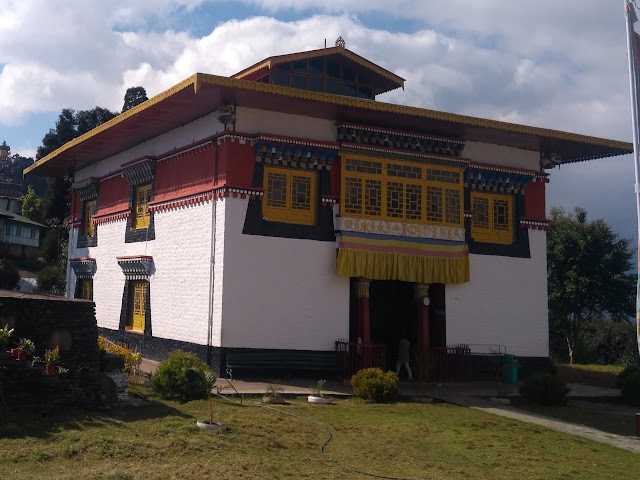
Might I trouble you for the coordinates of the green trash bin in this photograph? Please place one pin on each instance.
(510, 368)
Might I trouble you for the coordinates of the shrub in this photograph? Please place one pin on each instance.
(131, 358)
(50, 281)
(9, 276)
(545, 389)
(630, 385)
(375, 386)
(180, 377)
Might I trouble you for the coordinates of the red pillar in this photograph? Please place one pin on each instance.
(422, 298)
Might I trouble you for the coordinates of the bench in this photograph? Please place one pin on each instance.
(281, 362)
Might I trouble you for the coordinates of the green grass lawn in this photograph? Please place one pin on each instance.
(159, 440)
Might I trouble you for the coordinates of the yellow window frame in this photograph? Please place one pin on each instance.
(493, 218)
(141, 218)
(89, 213)
(401, 191)
(139, 291)
(86, 289)
(289, 195)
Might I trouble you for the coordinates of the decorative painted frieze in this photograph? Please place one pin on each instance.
(140, 171)
(136, 267)
(398, 139)
(497, 179)
(401, 229)
(84, 267)
(87, 189)
(534, 224)
(289, 152)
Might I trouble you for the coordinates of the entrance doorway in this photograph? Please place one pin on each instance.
(394, 314)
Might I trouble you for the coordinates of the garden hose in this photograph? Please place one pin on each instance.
(323, 427)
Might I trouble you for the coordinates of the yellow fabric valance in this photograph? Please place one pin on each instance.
(381, 257)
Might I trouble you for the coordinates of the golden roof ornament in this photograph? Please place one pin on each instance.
(340, 42)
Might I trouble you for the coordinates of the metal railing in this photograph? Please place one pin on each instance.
(354, 356)
(452, 364)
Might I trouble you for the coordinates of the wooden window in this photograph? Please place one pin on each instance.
(138, 306)
(18, 231)
(492, 218)
(86, 289)
(89, 212)
(141, 217)
(290, 196)
(402, 191)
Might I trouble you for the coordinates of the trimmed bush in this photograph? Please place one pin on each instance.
(375, 386)
(545, 389)
(630, 385)
(9, 276)
(179, 377)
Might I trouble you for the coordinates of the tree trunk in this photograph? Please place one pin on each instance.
(570, 347)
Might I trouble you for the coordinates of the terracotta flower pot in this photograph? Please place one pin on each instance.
(51, 369)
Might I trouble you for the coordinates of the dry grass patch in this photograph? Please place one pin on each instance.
(160, 440)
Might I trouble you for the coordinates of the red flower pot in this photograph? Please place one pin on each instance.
(51, 369)
(23, 356)
(76, 384)
(15, 352)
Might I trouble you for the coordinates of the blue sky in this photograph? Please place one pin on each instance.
(551, 64)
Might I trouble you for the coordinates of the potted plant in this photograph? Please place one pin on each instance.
(51, 359)
(209, 383)
(274, 394)
(26, 348)
(76, 372)
(316, 393)
(5, 336)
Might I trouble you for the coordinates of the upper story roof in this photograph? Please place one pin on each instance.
(202, 94)
(332, 70)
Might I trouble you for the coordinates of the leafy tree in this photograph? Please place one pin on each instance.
(133, 97)
(89, 119)
(56, 137)
(31, 205)
(588, 277)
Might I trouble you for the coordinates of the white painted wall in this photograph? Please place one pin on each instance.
(197, 130)
(505, 303)
(251, 120)
(280, 292)
(501, 155)
(179, 284)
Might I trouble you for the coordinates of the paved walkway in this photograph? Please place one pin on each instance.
(474, 395)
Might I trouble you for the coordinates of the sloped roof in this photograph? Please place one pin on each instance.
(202, 94)
(19, 218)
(383, 79)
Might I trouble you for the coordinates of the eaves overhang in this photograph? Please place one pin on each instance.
(202, 94)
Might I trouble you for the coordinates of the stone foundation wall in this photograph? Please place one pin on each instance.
(69, 324)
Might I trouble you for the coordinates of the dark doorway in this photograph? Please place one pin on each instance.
(393, 312)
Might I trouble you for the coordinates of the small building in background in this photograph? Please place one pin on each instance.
(19, 236)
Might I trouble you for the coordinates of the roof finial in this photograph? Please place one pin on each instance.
(340, 42)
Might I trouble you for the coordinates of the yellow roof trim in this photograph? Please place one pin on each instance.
(199, 79)
(192, 80)
(292, 57)
(408, 110)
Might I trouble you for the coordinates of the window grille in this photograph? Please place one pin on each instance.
(290, 196)
(492, 218)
